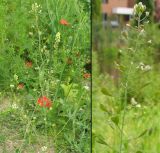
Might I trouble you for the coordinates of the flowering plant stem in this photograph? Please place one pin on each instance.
(126, 90)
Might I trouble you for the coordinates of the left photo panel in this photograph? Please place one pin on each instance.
(45, 76)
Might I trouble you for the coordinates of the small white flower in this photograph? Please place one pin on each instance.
(86, 87)
(133, 101)
(44, 148)
(36, 8)
(81, 109)
(57, 40)
(128, 25)
(36, 68)
(142, 32)
(14, 106)
(144, 67)
(31, 33)
(11, 86)
(25, 116)
(53, 125)
(149, 41)
(147, 13)
(15, 77)
(120, 51)
(147, 68)
(138, 105)
(34, 89)
(34, 118)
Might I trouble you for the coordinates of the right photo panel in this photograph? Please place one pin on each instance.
(126, 76)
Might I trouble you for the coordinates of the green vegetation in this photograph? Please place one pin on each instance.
(126, 89)
(44, 87)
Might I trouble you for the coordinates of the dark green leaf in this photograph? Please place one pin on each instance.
(115, 119)
(105, 92)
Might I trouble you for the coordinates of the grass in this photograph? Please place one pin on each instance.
(45, 88)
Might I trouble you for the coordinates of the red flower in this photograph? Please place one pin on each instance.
(86, 75)
(64, 22)
(44, 102)
(28, 64)
(20, 86)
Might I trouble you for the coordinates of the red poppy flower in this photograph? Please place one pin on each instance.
(28, 64)
(86, 75)
(44, 102)
(20, 86)
(64, 22)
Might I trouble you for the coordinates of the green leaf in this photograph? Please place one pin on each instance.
(103, 108)
(144, 85)
(105, 92)
(115, 119)
(139, 151)
(101, 140)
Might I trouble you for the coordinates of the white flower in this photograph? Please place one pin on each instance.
(86, 87)
(37, 68)
(57, 40)
(144, 67)
(34, 118)
(25, 116)
(149, 41)
(14, 106)
(142, 32)
(139, 9)
(120, 51)
(31, 33)
(16, 77)
(36, 8)
(11, 86)
(147, 13)
(147, 68)
(128, 25)
(81, 109)
(44, 148)
(138, 105)
(133, 101)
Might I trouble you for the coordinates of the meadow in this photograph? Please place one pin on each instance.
(126, 87)
(44, 77)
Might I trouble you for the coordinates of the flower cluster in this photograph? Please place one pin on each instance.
(28, 64)
(20, 86)
(14, 106)
(36, 8)
(64, 22)
(44, 102)
(144, 67)
(57, 40)
(135, 103)
(139, 9)
(44, 149)
(86, 75)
